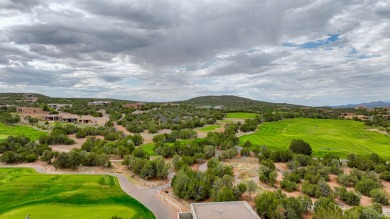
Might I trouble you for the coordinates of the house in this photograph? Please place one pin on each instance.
(30, 110)
(360, 107)
(219, 107)
(86, 120)
(220, 210)
(99, 103)
(30, 98)
(58, 106)
(62, 117)
(133, 105)
(353, 115)
(348, 115)
(363, 117)
(387, 116)
(204, 107)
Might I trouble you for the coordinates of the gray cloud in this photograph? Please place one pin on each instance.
(169, 50)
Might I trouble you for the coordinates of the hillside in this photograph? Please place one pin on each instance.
(234, 102)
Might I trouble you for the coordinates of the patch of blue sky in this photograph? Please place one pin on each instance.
(202, 66)
(356, 54)
(315, 44)
(132, 81)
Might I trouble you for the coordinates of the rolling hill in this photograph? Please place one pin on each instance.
(234, 102)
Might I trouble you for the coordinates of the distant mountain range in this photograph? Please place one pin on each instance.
(371, 104)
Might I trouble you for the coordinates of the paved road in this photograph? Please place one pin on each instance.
(147, 196)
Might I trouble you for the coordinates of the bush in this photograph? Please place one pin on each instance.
(385, 175)
(325, 208)
(348, 197)
(299, 146)
(288, 185)
(380, 196)
(245, 152)
(366, 186)
(277, 205)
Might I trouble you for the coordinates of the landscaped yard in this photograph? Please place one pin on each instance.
(241, 115)
(24, 191)
(324, 135)
(15, 130)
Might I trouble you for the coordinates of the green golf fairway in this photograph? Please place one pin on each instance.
(241, 115)
(16, 130)
(341, 137)
(24, 190)
(71, 212)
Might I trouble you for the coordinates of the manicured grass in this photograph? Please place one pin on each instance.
(69, 211)
(24, 191)
(16, 130)
(148, 148)
(209, 128)
(324, 135)
(241, 115)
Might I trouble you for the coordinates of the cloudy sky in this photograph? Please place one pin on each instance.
(313, 52)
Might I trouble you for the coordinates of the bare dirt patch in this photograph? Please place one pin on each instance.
(245, 168)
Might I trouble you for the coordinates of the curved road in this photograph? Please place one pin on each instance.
(146, 195)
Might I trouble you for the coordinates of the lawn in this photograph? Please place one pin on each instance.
(148, 148)
(241, 115)
(24, 191)
(324, 135)
(15, 130)
(208, 128)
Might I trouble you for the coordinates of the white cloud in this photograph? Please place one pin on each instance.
(172, 50)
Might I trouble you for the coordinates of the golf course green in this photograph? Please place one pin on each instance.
(341, 137)
(23, 191)
(241, 115)
(15, 130)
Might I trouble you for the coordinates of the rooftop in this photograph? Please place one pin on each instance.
(223, 210)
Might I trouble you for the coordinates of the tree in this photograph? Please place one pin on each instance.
(299, 146)
(209, 151)
(245, 152)
(365, 186)
(251, 186)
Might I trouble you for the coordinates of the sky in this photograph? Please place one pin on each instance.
(310, 52)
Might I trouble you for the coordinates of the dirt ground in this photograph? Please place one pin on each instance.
(148, 137)
(245, 168)
(78, 144)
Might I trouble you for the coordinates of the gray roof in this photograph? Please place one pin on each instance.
(223, 210)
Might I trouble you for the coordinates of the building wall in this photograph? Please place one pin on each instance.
(30, 110)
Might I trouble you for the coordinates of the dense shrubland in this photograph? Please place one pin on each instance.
(21, 149)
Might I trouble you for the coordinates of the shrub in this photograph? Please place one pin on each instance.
(380, 196)
(299, 146)
(325, 208)
(385, 175)
(366, 186)
(288, 185)
(348, 197)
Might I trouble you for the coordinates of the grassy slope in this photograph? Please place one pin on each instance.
(209, 128)
(341, 136)
(241, 115)
(15, 130)
(22, 187)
